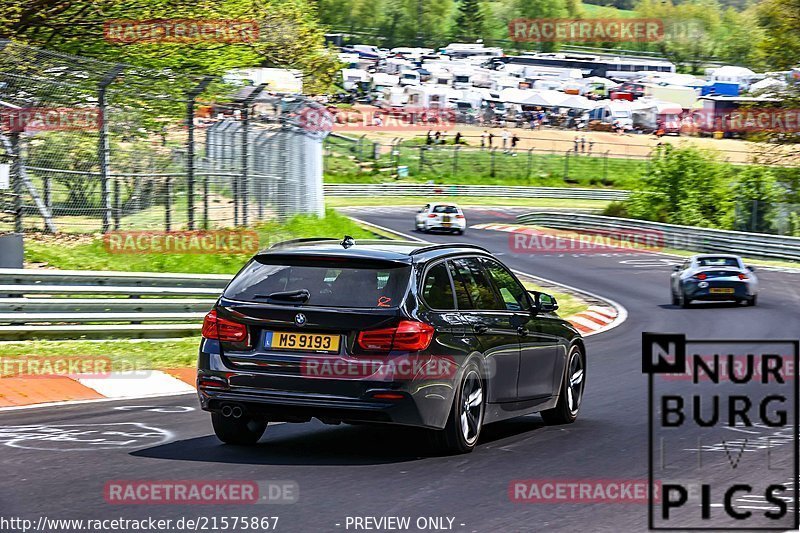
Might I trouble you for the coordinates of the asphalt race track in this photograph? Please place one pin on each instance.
(347, 471)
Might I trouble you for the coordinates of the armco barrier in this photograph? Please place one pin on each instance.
(157, 305)
(427, 189)
(757, 245)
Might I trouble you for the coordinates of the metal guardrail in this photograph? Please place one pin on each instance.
(427, 189)
(158, 299)
(754, 245)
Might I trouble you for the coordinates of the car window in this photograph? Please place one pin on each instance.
(349, 284)
(717, 261)
(475, 283)
(436, 288)
(445, 209)
(513, 294)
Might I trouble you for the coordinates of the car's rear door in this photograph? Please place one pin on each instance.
(539, 348)
(495, 329)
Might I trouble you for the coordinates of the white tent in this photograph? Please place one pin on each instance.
(531, 97)
(573, 101)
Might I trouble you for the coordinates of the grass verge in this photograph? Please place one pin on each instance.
(90, 253)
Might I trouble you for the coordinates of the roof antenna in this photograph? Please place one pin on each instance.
(347, 242)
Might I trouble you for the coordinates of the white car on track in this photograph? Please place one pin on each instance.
(441, 216)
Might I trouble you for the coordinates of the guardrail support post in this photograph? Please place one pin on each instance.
(16, 181)
(530, 163)
(492, 158)
(116, 205)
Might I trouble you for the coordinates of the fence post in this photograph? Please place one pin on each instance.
(566, 164)
(605, 166)
(116, 205)
(168, 205)
(492, 157)
(16, 180)
(103, 148)
(530, 163)
(46, 191)
(245, 152)
(205, 201)
(191, 98)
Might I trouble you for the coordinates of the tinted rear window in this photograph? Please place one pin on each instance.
(329, 283)
(718, 261)
(445, 209)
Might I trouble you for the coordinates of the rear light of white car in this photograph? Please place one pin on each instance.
(700, 276)
(743, 276)
(407, 336)
(432, 215)
(459, 216)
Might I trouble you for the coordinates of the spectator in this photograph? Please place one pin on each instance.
(437, 137)
(577, 143)
(514, 141)
(506, 138)
(428, 138)
(458, 138)
(583, 144)
(491, 137)
(484, 136)
(591, 145)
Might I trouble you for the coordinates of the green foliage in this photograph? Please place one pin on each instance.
(469, 20)
(779, 47)
(289, 36)
(685, 186)
(756, 191)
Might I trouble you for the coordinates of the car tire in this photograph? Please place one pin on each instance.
(753, 300)
(463, 428)
(683, 300)
(242, 431)
(675, 300)
(571, 394)
(460, 232)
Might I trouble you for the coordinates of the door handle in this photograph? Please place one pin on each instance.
(523, 331)
(480, 328)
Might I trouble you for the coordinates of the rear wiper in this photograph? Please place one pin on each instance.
(301, 295)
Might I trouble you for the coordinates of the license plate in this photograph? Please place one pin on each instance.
(315, 342)
(720, 291)
(446, 218)
(446, 224)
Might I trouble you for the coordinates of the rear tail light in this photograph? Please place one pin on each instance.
(223, 330)
(212, 383)
(432, 216)
(459, 216)
(701, 275)
(743, 276)
(407, 336)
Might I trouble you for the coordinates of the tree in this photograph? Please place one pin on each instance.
(469, 20)
(290, 35)
(779, 48)
(683, 185)
(756, 191)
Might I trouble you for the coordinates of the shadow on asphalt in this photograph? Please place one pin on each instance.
(315, 444)
(702, 305)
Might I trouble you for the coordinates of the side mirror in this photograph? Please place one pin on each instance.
(751, 268)
(543, 302)
(676, 268)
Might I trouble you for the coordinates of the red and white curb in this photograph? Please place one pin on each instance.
(595, 319)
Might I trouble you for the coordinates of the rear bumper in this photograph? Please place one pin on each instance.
(295, 398)
(740, 291)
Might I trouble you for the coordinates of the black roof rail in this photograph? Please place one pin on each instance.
(447, 245)
(304, 239)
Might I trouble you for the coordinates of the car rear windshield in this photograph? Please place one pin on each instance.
(329, 283)
(718, 261)
(445, 209)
